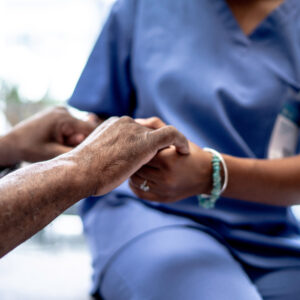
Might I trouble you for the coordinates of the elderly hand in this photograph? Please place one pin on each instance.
(46, 135)
(117, 149)
(170, 175)
(33, 196)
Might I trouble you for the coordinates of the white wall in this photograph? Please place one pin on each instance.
(45, 43)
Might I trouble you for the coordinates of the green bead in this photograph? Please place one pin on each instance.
(209, 201)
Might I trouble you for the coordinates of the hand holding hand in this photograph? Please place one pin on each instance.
(117, 149)
(172, 176)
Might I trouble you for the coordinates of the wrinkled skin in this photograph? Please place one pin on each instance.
(125, 147)
(47, 134)
(33, 196)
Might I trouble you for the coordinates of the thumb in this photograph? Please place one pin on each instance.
(76, 131)
(84, 127)
(75, 139)
(167, 136)
(152, 123)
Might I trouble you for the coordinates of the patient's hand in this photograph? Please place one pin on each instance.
(172, 176)
(45, 135)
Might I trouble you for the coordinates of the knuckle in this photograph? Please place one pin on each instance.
(169, 133)
(171, 130)
(60, 114)
(111, 120)
(60, 109)
(126, 119)
(155, 120)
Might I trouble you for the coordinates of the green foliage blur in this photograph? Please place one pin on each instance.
(17, 108)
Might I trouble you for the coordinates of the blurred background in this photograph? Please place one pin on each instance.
(44, 46)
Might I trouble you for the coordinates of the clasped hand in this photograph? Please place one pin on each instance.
(172, 176)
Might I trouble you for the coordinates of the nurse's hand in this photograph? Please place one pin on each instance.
(171, 176)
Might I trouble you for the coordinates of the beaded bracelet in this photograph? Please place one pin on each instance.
(209, 201)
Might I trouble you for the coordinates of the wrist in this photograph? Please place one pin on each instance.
(85, 178)
(74, 176)
(204, 173)
(218, 162)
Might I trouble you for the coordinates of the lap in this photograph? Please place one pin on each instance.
(280, 285)
(111, 225)
(155, 256)
(176, 263)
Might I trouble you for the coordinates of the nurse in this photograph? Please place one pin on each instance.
(220, 72)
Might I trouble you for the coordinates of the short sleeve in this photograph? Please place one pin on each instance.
(105, 86)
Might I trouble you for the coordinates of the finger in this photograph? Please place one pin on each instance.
(167, 136)
(75, 139)
(141, 194)
(137, 181)
(72, 127)
(101, 128)
(95, 119)
(152, 123)
(162, 157)
(154, 163)
(149, 173)
(83, 127)
(74, 132)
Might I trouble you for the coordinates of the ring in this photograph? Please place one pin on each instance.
(144, 187)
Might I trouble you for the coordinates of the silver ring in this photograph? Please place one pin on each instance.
(144, 187)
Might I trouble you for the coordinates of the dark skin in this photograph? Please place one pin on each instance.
(33, 196)
(44, 136)
(250, 13)
(28, 204)
(172, 177)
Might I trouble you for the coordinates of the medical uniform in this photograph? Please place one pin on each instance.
(189, 63)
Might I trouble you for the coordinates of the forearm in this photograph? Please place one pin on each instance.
(33, 196)
(275, 182)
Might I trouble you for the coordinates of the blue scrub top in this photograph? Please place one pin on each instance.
(189, 63)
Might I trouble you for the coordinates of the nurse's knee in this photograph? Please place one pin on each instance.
(176, 263)
(177, 252)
